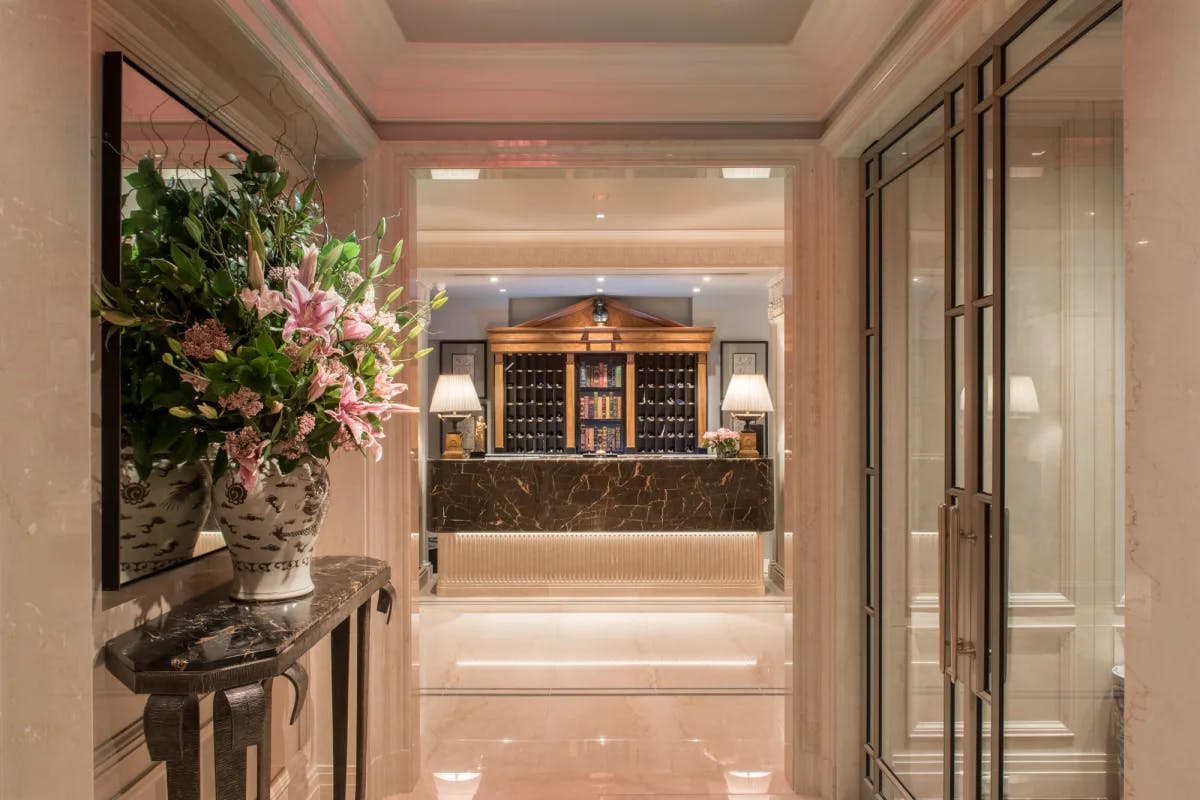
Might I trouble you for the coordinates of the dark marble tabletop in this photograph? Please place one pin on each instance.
(568, 494)
(212, 641)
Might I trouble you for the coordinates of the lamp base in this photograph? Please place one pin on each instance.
(452, 448)
(749, 443)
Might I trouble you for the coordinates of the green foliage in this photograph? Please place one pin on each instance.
(185, 263)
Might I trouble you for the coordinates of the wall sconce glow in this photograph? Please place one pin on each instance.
(1022, 396)
(708, 278)
(599, 279)
(696, 290)
(494, 279)
(454, 174)
(744, 173)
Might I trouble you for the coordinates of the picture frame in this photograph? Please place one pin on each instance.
(465, 357)
(744, 357)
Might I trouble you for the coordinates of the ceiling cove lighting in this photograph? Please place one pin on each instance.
(734, 173)
(613, 662)
(454, 174)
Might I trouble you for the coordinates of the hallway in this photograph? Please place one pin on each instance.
(614, 699)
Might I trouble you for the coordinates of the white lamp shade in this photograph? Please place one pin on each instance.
(747, 394)
(455, 394)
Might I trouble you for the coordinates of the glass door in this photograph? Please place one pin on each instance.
(993, 475)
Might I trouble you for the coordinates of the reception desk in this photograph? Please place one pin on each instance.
(656, 525)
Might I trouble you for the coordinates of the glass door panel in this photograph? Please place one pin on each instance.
(1063, 406)
(913, 236)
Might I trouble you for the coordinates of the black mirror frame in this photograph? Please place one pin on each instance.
(111, 103)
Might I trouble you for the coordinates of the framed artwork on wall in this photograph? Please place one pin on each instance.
(465, 358)
(744, 358)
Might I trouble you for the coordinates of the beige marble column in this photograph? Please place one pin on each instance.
(823, 407)
(1162, 284)
(45, 471)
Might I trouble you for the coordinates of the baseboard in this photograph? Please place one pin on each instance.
(323, 774)
(776, 575)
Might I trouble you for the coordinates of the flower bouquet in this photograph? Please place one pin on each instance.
(723, 442)
(262, 343)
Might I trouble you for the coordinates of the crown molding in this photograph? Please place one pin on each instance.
(276, 88)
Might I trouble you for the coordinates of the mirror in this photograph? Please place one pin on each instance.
(156, 518)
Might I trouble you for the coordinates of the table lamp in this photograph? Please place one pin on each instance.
(747, 398)
(454, 399)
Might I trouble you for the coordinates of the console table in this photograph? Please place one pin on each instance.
(213, 644)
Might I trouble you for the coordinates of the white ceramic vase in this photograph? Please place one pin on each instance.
(161, 516)
(272, 529)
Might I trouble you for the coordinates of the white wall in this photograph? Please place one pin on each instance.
(45, 473)
(737, 314)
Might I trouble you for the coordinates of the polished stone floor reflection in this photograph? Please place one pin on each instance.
(539, 699)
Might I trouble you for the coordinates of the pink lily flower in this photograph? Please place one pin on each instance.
(265, 301)
(352, 412)
(308, 264)
(354, 329)
(248, 467)
(310, 311)
(321, 381)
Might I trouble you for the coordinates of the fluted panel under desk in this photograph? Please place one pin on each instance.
(619, 563)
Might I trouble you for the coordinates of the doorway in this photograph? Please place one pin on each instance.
(619, 697)
(993, 476)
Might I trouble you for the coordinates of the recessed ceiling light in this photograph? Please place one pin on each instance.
(1038, 153)
(745, 172)
(494, 279)
(708, 278)
(599, 279)
(598, 289)
(600, 215)
(454, 174)
(696, 289)
(1143, 242)
(502, 291)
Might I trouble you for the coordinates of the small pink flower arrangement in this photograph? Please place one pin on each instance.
(722, 441)
(279, 349)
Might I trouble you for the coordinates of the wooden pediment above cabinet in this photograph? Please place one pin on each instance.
(574, 329)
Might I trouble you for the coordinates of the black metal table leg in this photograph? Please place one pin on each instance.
(237, 724)
(262, 773)
(361, 704)
(339, 648)
(171, 724)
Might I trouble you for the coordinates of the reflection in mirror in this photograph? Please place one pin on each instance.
(155, 497)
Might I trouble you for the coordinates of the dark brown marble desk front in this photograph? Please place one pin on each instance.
(631, 493)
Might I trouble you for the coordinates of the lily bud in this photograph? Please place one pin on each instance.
(182, 412)
(207, 411)
(276, 407)
(255, 270)
(219, 355)
(308, 265)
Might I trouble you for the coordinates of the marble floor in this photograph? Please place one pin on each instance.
(544, 699)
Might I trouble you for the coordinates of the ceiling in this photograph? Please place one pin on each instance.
(614, 21)
(479, 286)
(582, 61)
(619, 220)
